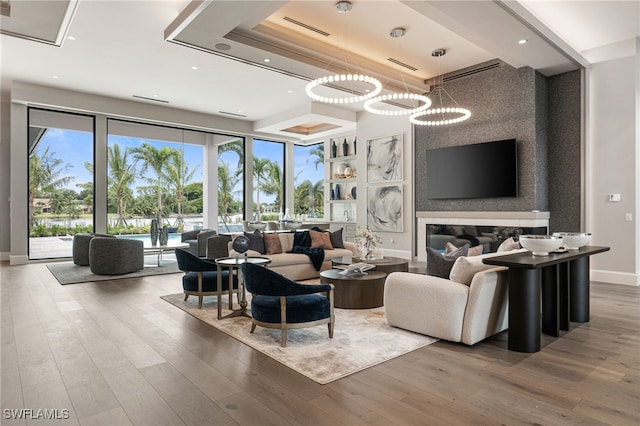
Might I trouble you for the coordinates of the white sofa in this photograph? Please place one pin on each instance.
(296, 266)
(450, 310)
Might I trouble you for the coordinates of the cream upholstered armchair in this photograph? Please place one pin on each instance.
(468, 307)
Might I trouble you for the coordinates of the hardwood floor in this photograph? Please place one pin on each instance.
(114, 353)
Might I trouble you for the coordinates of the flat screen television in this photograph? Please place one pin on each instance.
(481, 170)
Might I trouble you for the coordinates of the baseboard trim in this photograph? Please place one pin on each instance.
(614, 277)
(4, 256)
(18, 260)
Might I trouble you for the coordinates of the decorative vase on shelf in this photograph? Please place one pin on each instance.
(334, 150)
(345, 148)
(333, 194)
(354, 146)
(154, 232)
(338, 197)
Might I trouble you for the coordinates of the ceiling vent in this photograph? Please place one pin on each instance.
(151, 99)
(402, 64)
(465, 72)
(232, 113)
(306, 26)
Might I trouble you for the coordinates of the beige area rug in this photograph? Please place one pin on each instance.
(362, 338)
(69, 273)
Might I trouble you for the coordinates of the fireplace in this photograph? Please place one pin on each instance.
(490, 229)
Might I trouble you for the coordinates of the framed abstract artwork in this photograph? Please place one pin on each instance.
(384, 159)
(384, 208)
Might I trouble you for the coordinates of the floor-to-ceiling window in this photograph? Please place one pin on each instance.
(308, 180)
(61, 182)
(268, 180)
(153, 172)
(231, 166)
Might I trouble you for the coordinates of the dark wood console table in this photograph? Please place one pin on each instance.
(558, 284)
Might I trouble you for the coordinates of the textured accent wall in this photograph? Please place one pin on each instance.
(513, 103)
(565, 165)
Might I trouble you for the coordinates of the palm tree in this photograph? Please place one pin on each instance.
(226, 183)
(273, 182)
(259, 174)
(317, 154)
(178, 176)
(302, 197)
(122, 174)
(236, 146)
(46, 174)
(317, 198)
(157, 160)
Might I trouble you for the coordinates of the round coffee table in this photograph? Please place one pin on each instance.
(356, 291)
(386, 264)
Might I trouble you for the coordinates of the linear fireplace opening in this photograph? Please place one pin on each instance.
(489, 236)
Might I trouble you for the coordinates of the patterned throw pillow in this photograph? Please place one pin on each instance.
(272, 244)
(439, 264)
(256, 242)
(320, 240)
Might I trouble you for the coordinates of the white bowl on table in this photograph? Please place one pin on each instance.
(574, 240)
(294, 225)
(257, 225)
(540, 245)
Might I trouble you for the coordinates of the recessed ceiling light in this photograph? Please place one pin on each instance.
(54, 76)
(194, 68)
(155, 96)
(71, 38)
(222, 46)
(267, 60)
(522, 41)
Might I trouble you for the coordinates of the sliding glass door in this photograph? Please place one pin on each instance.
(61, 183)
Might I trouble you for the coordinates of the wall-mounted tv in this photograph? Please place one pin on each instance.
(481, 170)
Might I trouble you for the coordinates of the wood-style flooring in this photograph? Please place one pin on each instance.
(114, 353)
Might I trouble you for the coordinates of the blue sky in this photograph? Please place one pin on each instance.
(75, 148)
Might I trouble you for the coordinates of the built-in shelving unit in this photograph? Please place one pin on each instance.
(341, 189)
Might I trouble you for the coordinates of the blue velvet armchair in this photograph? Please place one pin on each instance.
(201, 277)
(278, 302)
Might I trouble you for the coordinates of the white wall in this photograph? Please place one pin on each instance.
(612, 167)
(372, 126)
(5, 170)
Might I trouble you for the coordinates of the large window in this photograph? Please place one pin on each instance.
(309, 180)
(231, 185)
(61, 181)
(153, 172)
(268, 180)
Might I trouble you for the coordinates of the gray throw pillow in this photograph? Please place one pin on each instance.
(336, 239)
(439, 264)
(256, 242)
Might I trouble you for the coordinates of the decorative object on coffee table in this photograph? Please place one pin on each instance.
(367, 241)
(154, 231)
(386, 264)
(163, 238)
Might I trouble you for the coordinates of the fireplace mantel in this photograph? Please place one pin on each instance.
(515, 219)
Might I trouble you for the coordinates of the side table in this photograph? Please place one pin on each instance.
(356, 291)
(233, 264)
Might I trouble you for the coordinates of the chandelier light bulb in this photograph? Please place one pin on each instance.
(426, 103)
(463, 112)
(343, 77)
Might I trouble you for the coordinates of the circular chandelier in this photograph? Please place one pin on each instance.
(377, 88)
(463, 115)
(426, 103)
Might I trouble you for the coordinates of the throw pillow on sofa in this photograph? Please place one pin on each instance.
(464, 268)
(473, 251)
(508, 245)
(256, 242)
(320, 239)
(440, 264)
(272, 244)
